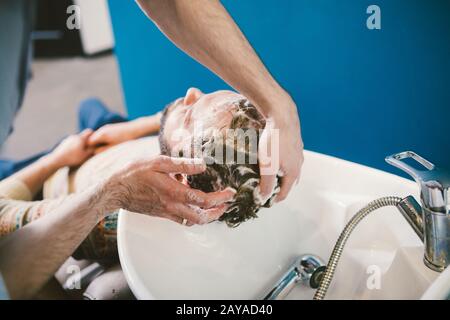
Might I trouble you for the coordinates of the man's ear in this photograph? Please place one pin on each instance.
(192, 95)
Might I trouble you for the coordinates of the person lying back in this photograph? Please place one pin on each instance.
(124, 143)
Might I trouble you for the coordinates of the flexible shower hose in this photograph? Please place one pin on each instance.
(345, 234)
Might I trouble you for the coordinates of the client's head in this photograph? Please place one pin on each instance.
(222, 127)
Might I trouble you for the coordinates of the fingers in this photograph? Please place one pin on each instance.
(196, 215)
(290, 178)
(98, 137)
(268, 159)
(98, 150)
(267, 185)
(189, 166)
(216, 212)
(85, 134)
(175, 198)
(186, 194)
(286, 185)
(203, 199)
(179, 220)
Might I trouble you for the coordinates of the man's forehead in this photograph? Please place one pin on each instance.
(224, 97)
(224, 94)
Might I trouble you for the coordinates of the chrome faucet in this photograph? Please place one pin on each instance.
(307, 269)
(431, 219)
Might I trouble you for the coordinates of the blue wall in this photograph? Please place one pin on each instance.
(362, 94)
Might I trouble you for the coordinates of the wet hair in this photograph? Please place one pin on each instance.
(222, 173)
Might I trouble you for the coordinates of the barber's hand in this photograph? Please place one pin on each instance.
(287, 156)
(73, 150)
(149, 187)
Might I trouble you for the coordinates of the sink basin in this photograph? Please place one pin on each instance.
(382, 259)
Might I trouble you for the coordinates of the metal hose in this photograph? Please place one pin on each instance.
(345, 234)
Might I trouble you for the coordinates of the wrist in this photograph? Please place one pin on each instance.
(146, 125)
(52, 162)
(91, 203)
(283, 111)
(277, 104)
(109, 196)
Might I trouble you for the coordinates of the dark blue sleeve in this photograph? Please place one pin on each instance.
(15, 55)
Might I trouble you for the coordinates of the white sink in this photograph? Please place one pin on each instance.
(165, 260)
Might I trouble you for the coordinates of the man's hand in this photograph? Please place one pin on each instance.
(281, 150)
(73, 150)
(112, 134)
(149, 187)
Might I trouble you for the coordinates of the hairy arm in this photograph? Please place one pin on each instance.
(30, 256)
(204, 30)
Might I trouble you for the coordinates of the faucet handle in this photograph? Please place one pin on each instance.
(434, 182)
(418, 175)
